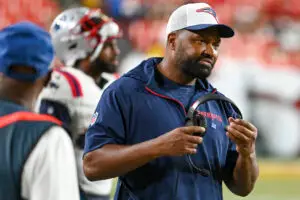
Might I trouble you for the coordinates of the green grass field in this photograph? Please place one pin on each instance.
(279, 180)
(271, 190)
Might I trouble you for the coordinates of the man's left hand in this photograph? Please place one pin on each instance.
(244, 134)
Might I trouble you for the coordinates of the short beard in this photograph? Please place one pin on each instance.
(99, 66)
(191, 67)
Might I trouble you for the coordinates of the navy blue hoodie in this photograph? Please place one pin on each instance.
(135, 109)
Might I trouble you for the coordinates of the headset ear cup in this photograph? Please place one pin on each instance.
(199, 120)
(189, 122)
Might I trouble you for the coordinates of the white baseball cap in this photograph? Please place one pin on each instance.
(196, 16)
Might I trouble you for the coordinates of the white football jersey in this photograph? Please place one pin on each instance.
(72, 96)
(76, 91)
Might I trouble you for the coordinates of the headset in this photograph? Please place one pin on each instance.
(194, 118)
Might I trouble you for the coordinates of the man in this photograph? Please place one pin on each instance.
(85, 41)
(138, 132)
(37, 156)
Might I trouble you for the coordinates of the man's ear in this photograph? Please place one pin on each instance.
(48, 78)
(172, 40)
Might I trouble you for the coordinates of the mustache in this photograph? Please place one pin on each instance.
(205, 57)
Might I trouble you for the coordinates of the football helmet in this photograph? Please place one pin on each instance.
(81, 32)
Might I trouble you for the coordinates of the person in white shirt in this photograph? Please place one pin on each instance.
(55, 177)
(36, 153)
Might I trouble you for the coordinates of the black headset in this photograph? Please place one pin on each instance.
(194, 118)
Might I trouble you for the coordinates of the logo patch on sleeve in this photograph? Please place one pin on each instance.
(94, 118)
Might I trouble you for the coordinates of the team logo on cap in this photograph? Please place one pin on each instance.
(209, 11)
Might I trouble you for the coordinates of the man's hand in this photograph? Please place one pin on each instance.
(114, 160)
(244, 134)
(245, 173)
(179, 141)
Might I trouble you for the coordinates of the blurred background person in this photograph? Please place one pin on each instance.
(37, 156)
(85, 42)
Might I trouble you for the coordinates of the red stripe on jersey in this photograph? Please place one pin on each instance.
(26, 116)
(73, 82)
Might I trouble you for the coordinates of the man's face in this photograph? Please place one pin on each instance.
(108, 58)
(196, 52)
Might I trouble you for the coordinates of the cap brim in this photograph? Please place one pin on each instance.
(224, 30)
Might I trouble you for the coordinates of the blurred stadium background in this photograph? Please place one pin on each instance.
(259, 68)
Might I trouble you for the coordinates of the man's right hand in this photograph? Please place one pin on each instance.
(114, 160)
(179, 141)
